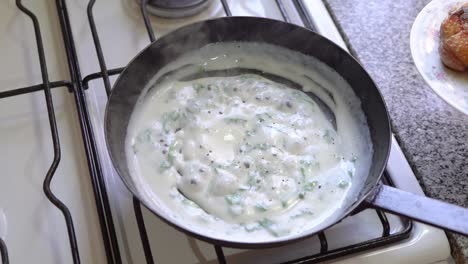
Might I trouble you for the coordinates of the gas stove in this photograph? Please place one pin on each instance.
(60, 198)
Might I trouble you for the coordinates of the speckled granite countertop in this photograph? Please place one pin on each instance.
(432, 134)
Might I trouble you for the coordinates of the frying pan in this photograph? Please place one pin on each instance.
(142, 69)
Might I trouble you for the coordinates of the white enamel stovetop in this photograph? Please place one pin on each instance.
(34, 229)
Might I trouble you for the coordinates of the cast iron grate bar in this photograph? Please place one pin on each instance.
(227, 10)
(144, 12)
(142, 230)
(98, 75)
(105, 75)
(282, 10)
(385, 223)
(305, 17)
(34, 88)
(92, 155)
(220, 254)
(356, 248)
(4, 252)
(324, 254)
(54, 133)
(323, 242)
(97, 45)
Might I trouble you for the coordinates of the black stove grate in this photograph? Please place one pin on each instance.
(3, 251)
(77, 85)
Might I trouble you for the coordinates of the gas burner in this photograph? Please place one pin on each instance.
(176, 8)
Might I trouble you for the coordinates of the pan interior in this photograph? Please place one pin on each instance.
(330, 92)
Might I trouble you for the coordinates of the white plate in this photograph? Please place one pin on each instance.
(450, 85)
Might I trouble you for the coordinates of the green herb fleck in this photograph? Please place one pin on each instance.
(310, 186)
(251, 227)
(343, 184)
(308, 164)
(171, 153)
(265, 222)
(144, 136)
(170, 120)
(350, 174)
(189, 202)
(263, 117)
(233, 199)
(302, 213)
(328, 137)
(212, 87)
(262, 146)
(251, 180)
(261, 207)
(164, 166)
(301, 195)
(250, 132)
(198, 87)
(303, 172)
(235, 120)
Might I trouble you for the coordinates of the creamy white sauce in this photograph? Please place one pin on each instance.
(243, 156)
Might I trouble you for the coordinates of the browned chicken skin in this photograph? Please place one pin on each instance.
(454, 39)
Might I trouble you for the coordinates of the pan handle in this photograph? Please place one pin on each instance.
(422, 209)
